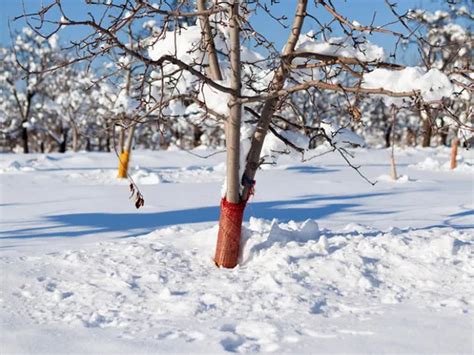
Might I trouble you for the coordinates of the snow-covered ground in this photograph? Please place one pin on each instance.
(329, 263)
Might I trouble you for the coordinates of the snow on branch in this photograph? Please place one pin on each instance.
(431, 85)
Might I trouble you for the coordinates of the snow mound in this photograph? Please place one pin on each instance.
(430, 164)
(42, 162)
(357, 228)
(108, 176)
(193, 173)
(144, 177)
(16, 166)
(402, 179)
(290, 274)
(148, 176)
(259, 236)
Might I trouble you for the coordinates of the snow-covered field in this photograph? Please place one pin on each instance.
(329, 264)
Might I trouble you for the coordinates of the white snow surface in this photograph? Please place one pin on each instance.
(329, 263)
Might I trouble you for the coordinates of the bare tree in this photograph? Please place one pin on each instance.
(20, 84)
(211, 70)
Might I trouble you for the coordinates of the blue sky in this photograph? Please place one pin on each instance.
(359, 10)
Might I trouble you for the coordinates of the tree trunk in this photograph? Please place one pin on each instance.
(214, 69)
(253, 157)
(24, 136)
(427, 129)
(63, 143)
(232, 207)
(426, 141)
(197, 134)
(124, 158)
(411, 137)
(454, 153)
(121, 141)
(110, 132)
(29, 100)
(443, 133)
(393, 165)
(388, 136)
(75, 138)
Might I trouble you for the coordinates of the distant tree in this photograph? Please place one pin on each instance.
(42, 108)
(446, 40)
(76, 105)
(24, 78)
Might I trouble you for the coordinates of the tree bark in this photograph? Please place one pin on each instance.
(454, 153)
(214, 69)
(233, 204)
(121, 140)
(388, 136)
(411, 137)
(75, 138)
(63, 143)
(110, 132)
(232, 208)
(131, 134)
(197, 134)
(393, 165)
(426, 141)
(26, 115)
(443, 133)
(269, 108)
(427, 129)
(124, 158)
(24, 136)
(235, 111)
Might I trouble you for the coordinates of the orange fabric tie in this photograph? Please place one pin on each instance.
(230, 229)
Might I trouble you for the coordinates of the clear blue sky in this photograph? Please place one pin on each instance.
(359, 10)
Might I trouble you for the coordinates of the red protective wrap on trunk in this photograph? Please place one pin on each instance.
(228, 238)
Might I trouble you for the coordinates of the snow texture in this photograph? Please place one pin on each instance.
(341, 47)
(328, 264)
(432, 85)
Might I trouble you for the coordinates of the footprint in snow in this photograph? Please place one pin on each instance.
(250, 336)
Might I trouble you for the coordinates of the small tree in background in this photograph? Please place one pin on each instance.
(24, 82)
(446, 43)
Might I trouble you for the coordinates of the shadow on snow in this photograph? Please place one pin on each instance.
(133, 224)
